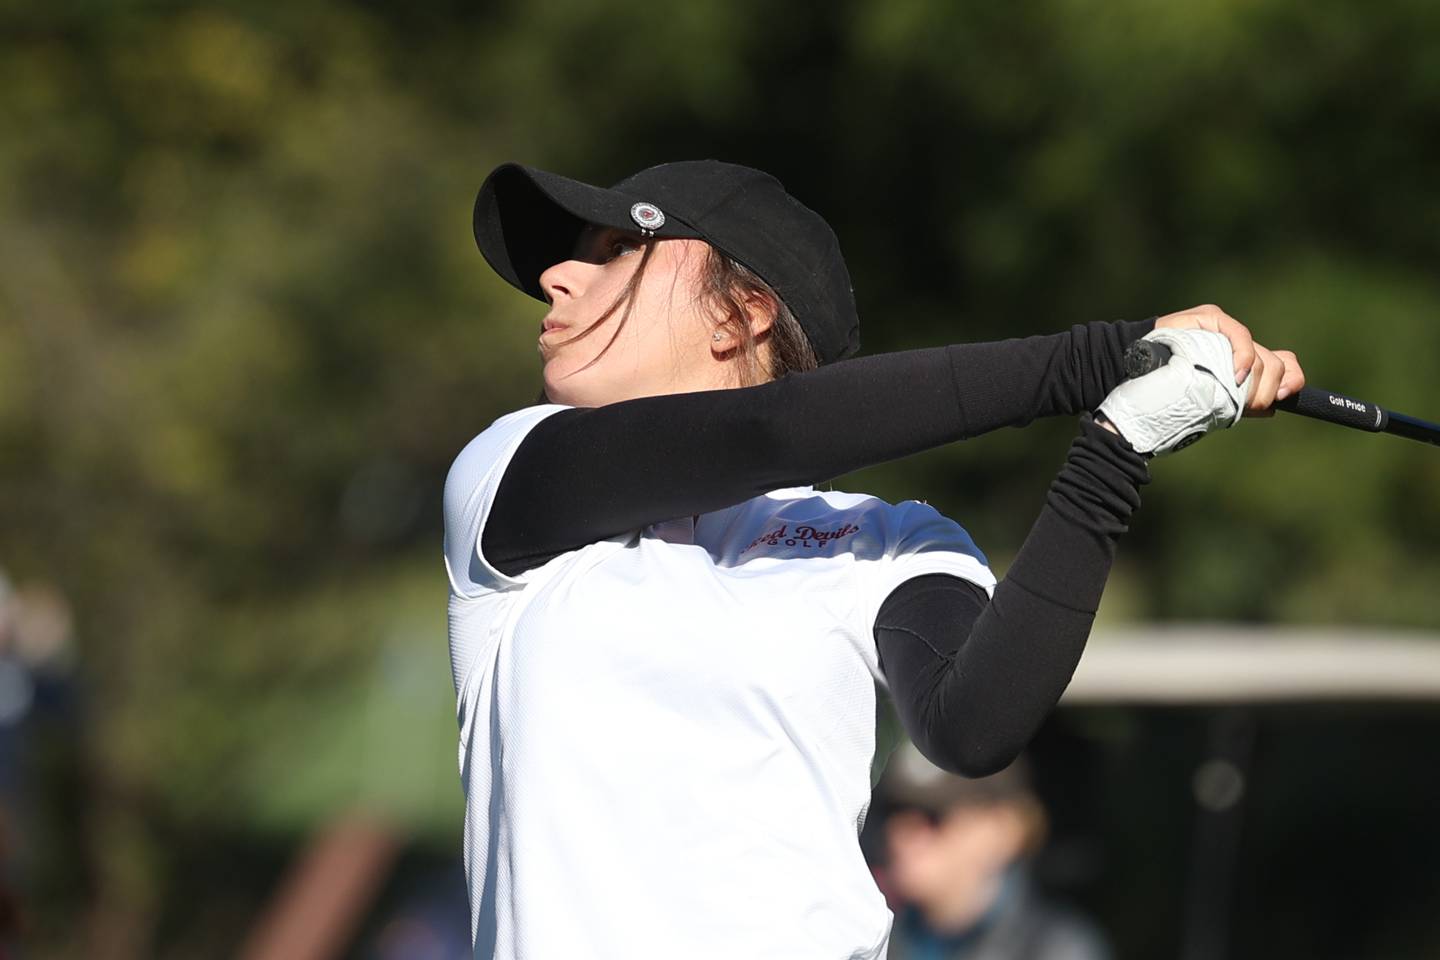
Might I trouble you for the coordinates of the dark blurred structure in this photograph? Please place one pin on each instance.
(1323, 848)
(1223, 793)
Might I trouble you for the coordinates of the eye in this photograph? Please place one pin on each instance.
(621, 245)
(603, 244)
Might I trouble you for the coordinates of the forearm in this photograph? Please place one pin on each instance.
(584, 475)
(1009, 383)
(973, 680)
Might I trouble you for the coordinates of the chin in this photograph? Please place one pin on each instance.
(568, 390)
(568, 381)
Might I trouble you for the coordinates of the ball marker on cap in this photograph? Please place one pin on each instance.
(648, 217)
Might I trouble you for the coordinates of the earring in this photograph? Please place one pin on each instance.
(717, 336)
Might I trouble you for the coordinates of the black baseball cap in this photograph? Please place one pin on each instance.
(527, 220)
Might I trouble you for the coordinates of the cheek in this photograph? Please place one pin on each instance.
(980, 843)
(666, 336)
(652, 347)
(916, 870)
(577, 374)
(910, 843)
(643, 348)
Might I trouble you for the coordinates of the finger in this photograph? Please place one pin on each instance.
(1294, 378)
(1242, 344)
(1270, 377)
(1204, 317)
(1257, 370)
(1269, 371)
(1208, 317)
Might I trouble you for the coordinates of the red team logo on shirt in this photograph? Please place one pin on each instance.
(803, 535)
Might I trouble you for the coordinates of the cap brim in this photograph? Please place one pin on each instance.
(528, 220)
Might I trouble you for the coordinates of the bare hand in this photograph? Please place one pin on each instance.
(1277, 373)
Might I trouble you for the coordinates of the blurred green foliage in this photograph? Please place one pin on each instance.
(243, 327)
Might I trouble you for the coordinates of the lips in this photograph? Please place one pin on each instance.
(547, 344)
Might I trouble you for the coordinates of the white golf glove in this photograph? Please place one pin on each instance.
(1172, 407)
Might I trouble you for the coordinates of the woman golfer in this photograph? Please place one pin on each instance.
(667, 644)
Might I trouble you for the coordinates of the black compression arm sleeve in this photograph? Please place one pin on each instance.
(586, 474)
(971, 679)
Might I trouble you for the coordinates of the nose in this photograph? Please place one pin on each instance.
(565, 279)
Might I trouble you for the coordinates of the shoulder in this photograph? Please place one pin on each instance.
(1065, 934)
(872, 528)
(907, 526)
(493, 447)
(469, 491)
(897, 542)
(1033, 924)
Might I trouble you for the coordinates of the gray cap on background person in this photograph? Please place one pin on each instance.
(910, 780)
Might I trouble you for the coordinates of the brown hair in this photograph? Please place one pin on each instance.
(726, 287)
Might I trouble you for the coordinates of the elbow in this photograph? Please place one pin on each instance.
(969, 756)
(984, 763)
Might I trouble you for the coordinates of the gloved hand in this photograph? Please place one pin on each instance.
(1174, 406)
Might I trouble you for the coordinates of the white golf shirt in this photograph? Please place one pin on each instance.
(666, 737)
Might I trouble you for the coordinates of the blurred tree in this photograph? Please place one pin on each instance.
(243, 327)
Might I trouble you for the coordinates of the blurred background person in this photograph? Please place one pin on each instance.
(957, 869)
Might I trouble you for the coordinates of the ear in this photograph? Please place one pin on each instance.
(760, 312)
(1011, 828)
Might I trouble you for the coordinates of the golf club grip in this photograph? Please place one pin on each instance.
(1144, 356)
(1321, 404)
